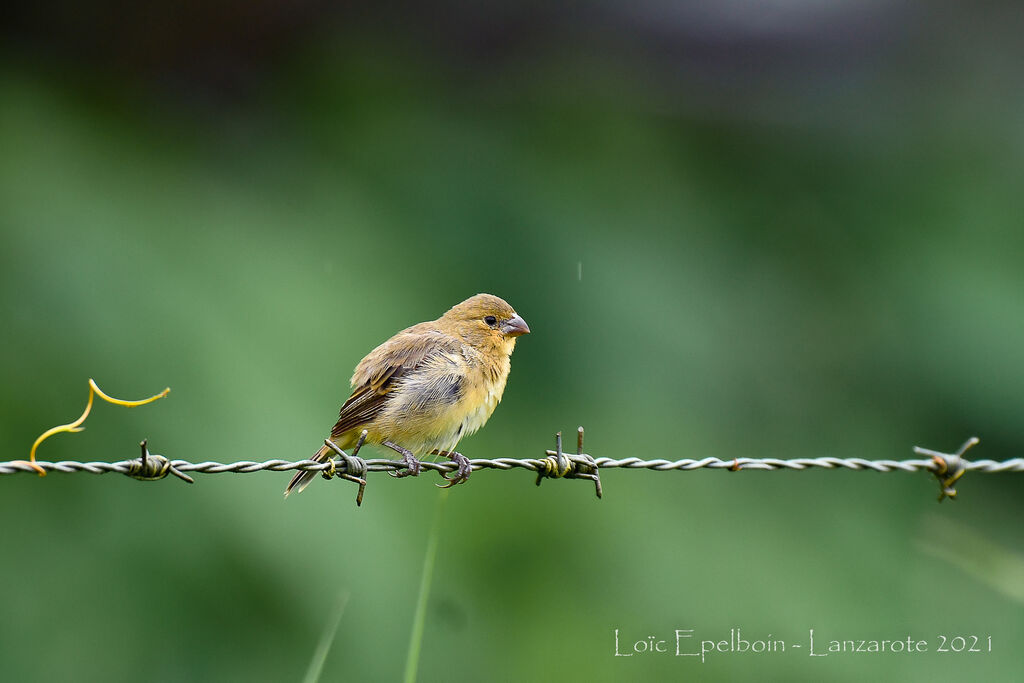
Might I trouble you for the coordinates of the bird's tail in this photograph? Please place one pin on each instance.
(301, 479)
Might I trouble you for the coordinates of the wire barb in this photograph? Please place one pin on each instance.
(560, 466)
(355, 468)
(150, 467)
(948, 467)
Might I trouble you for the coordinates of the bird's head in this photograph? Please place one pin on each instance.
(487, 320)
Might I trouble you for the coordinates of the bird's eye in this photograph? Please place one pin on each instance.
(490, 320)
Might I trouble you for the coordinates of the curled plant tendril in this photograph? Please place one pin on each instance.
(75, 426)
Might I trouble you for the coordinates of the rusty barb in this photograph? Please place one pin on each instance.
(558, 465)
(948, 467)
(151, 467)
(355, 467)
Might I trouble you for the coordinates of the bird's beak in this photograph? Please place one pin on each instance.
(515, 326)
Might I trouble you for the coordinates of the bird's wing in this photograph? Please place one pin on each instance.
(375, 375)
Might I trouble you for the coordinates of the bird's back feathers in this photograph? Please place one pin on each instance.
(388, 367)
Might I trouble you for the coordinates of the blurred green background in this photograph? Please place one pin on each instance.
(789, 229)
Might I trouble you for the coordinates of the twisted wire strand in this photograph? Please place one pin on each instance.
(532, 464)
(947, 467)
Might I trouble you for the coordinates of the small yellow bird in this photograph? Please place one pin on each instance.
(430, 385)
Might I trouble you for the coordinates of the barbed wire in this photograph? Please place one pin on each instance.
(947, 467)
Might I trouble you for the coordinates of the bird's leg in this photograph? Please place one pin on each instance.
(412, 465)
(463, 471)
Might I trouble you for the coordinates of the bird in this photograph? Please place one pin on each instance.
(428, 386)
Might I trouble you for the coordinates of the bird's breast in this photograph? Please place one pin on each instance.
(446, 399)
(480, 404)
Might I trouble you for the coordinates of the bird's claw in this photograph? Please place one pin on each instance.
(411, 467)
(409, 461)
(462, 472)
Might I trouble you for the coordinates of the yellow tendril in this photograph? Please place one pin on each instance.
(73, 427)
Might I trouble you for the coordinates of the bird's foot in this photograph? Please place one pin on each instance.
(464, 469)
(412, 465)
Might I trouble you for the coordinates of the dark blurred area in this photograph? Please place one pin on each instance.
(225, 48)
(780, 229)
(730, 59)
